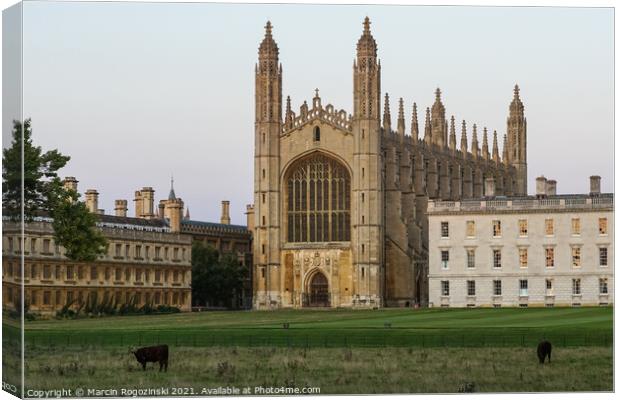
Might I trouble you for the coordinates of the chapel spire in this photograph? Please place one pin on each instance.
(452, 135)
(400, 125)
(485, 144)
(428, 134)
(438, 120)
(464, 139)
(475, 151)
(415, 130)
(387, 116)
(366, 77)
(517, 141)
(495, 148)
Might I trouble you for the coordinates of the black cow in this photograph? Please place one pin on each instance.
(153, 354)
(544, 350)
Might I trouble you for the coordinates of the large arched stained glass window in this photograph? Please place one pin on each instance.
(318, 200)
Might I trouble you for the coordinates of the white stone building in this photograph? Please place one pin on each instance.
(543, 250)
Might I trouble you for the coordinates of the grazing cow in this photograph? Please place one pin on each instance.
(153, 354)
(544, 350)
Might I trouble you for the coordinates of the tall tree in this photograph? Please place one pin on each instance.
(41, 185)
(43, 191)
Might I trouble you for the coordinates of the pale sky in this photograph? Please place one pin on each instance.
(135, 92)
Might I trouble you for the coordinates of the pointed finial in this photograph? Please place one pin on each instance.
(367, 25)
(387, 117)
(316, 92)
(288, 102)
(495, 148)
(172, 195)
(414, 123)
(438, 94)
(268, 29)
(516, 90)
(401, 109)
(464, 138)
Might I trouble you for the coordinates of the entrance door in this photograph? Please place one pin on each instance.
(319, 291)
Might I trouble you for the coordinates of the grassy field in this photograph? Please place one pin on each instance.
(344, 370)
(371, 351)
(335, 328)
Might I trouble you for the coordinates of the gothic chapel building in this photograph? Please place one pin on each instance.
(340, 199)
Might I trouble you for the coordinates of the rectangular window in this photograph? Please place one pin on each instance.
(576, 256)
(445, 257)
(523, 287)
(549, 227)
(138, 251)
(523, 227)
(33, 271)
(602, 286)
(147, 250)
(549, 257)
(497, 288)
(576, 286)
(602, 256)
(575, 226)
(58, 296)
(157, 275)
(602, 226)
(548, 287)
(523, 257)
(58, 272)
(69, 272)
(47, 272)
(445, 288)
(93, 273)
(117, 274)
(47, 298)
(33, 246)
(497, 228)
(46, 245)
(471, 288)
(80, 272)
(497, 258)
(33, 297)
(470, 227)
(126, 251)
(471, 258)
(138, 275)
(176, 253)
(10, 244)
(157, 250)
(444, 230)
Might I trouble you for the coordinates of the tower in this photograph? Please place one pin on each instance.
(268, 124)
(517, 142)
(367, 197)
(438, 121)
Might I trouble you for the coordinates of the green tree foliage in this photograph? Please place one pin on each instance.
(74, 226)
(42, 186)
(216, 281)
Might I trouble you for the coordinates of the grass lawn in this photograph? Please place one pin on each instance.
(587, 326)
(343, 370)
(339, 351)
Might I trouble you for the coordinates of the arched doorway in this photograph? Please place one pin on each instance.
(319, 291)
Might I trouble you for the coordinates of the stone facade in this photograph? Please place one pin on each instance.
(561, 246)
(144, 261)
(340, 199)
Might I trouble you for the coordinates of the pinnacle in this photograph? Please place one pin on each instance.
(367, 25)
(268, 29)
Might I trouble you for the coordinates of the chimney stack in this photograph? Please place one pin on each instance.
(541, 187)
(595, 185)
(138, 203)
(225, 219)
(489, 187)
(92, 201)
(120, 208)
(148, 202)
(250, 217)
(551, 187)
(162, 208)
(70, 183)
